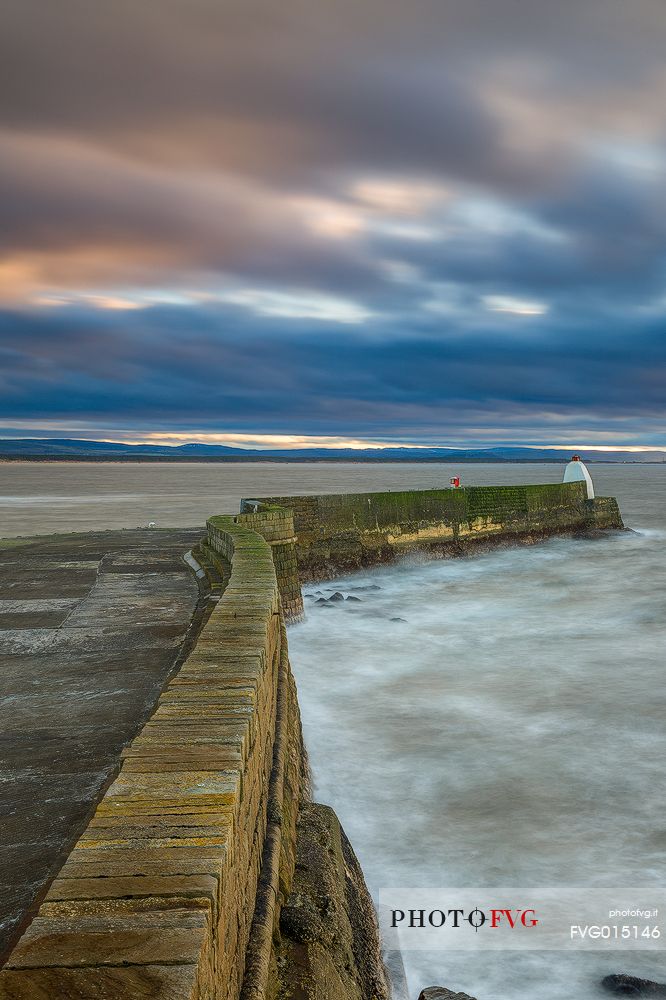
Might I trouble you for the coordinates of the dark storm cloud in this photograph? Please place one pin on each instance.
(468, 197)
(209, 369)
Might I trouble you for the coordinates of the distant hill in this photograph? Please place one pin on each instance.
(77, 448)
(61, 449)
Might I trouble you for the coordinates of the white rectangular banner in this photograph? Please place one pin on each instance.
(523, 919)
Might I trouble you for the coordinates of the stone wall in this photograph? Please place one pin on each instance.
(276, 525)
(337, 533)
(174, 889)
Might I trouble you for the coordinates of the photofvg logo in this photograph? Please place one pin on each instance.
(522, 919)
(476, 918)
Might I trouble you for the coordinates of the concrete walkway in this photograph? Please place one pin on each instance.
(91, 625)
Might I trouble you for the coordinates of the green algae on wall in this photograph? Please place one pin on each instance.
(336, 533)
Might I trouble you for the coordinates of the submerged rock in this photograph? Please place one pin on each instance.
(633, 986)
(356, 599)
(441, 993)
(401, 620)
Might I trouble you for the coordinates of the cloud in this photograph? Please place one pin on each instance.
(440, 218)
(217, 369)
(515, 307)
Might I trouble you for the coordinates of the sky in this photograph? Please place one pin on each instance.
(440, 222)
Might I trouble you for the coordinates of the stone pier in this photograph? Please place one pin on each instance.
(161, 842)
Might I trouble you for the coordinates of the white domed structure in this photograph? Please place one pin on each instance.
(577, 471)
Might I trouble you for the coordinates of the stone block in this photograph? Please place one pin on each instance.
(143, 982)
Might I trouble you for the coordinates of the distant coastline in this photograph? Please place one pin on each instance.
(84, 450)
(280, 460)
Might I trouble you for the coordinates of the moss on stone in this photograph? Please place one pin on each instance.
(339, 533)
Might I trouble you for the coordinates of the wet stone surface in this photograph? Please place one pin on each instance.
(91, 625)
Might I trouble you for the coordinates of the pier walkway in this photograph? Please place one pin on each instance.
(91, 626)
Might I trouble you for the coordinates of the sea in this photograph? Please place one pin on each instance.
(496, 720)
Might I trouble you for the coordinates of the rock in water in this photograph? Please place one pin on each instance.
(633, 986)
(337, 596)
(441, 993)
(356, 599)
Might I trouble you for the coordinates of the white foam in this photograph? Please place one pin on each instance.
(511, 731)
